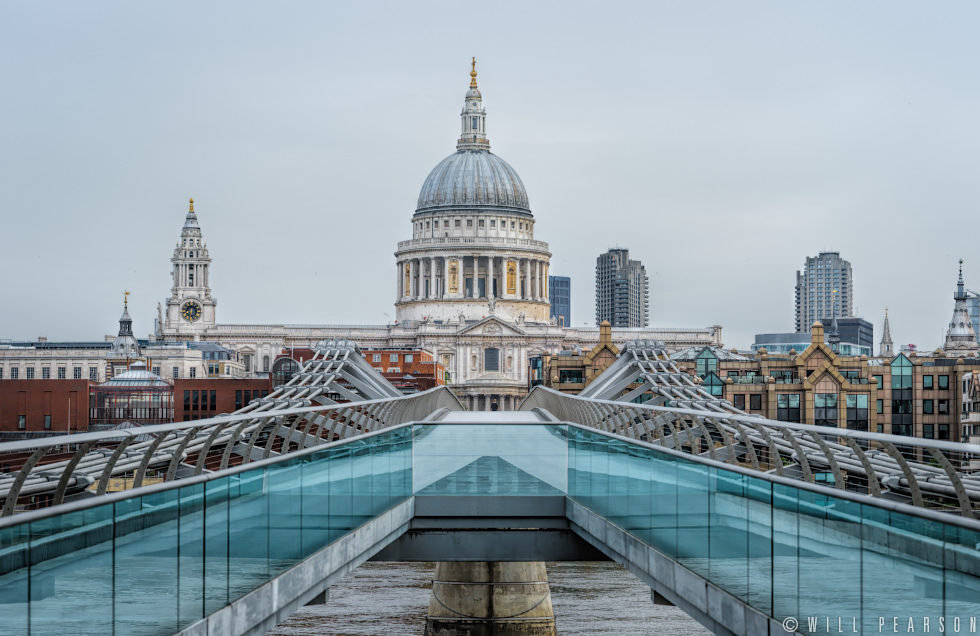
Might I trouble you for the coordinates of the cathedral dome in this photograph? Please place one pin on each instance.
(473, 178)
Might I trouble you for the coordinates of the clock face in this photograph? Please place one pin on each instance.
(190, 311)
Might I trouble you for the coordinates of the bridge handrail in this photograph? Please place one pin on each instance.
(922, 468)
(184, 438)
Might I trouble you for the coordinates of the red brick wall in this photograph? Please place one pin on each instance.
(224, 392)
(420, 366)
(66, 401)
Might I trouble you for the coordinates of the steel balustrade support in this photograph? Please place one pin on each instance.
(147, 456)
(14, 493)
(874, 486)
(235, 435)
(189, 436)
(712, 453)
(111, 464)
(907, 471)
(202, 454)
(59, 493)
(834, 466)
(800, 455)
(966, 507)
(749, 446)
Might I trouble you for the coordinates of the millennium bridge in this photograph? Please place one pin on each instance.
(747, 524)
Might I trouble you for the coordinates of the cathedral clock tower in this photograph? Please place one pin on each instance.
(190, 308)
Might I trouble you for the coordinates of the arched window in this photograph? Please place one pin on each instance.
(265, 363)
(283, 371)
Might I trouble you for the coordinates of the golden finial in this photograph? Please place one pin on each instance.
(126, 298)
(192, 205)
(473, 75)
(886, 312)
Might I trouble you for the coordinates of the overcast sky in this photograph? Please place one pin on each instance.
(720, 142)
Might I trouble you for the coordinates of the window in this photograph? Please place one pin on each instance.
(480, 223)
(394, 370)
(195, 400)
(927, 431)
(493, 223)
(76, 373)
(392, 357)
(879, 408)
(469, 222)
(248, 362)
(156, 370)
(187, 400)
(491, 359)
(570, 376)
(927, 407)
(857, 412)
(214, 400)
(738, 400)
(943, 382)
(93, 374)
(943, 406)
(47, 422)
(30, 373)
(409, 358)
(193, 372)
(902, 373)
(706, 362)
(459, 224)
(376, 357)
(512, 225)
(927, 382)
(21, 422)
(944, 431)
(45, 373)
(14, 373)
(265, 359)
(473, 123)
(755, 402)
(788, 407)
(825, 409)
(176, 373)
(62, 373)
(1, 373)
(714, 385)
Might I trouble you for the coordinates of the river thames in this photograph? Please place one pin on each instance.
(391, 599)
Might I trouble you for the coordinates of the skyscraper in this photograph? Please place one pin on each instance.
(621, 290)
(560, 297)
(824, 289)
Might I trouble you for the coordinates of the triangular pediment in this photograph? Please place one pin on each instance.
(491, 326)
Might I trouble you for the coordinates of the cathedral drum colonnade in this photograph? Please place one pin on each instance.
(473, 252)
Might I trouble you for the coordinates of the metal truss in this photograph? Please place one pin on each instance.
(925, 473)
(296, 415)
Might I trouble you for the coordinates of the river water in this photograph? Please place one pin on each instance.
(391, 599)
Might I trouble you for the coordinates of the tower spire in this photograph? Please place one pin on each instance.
(886, 347)
(473, 134)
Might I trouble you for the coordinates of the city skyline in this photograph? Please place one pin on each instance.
(734, 166)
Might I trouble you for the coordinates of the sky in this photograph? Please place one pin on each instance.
(720, 142)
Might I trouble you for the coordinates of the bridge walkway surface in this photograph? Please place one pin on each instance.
(236, 551)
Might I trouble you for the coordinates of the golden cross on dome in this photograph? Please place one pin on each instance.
(192, 205)
(126, 298)
(473, 75)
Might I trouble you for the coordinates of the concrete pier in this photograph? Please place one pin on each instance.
(490, 599)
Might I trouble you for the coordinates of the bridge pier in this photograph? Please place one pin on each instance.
(490, 598)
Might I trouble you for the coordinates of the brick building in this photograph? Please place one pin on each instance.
(44, 407)
(197, 399)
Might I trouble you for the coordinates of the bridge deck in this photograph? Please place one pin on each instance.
(234, 552)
